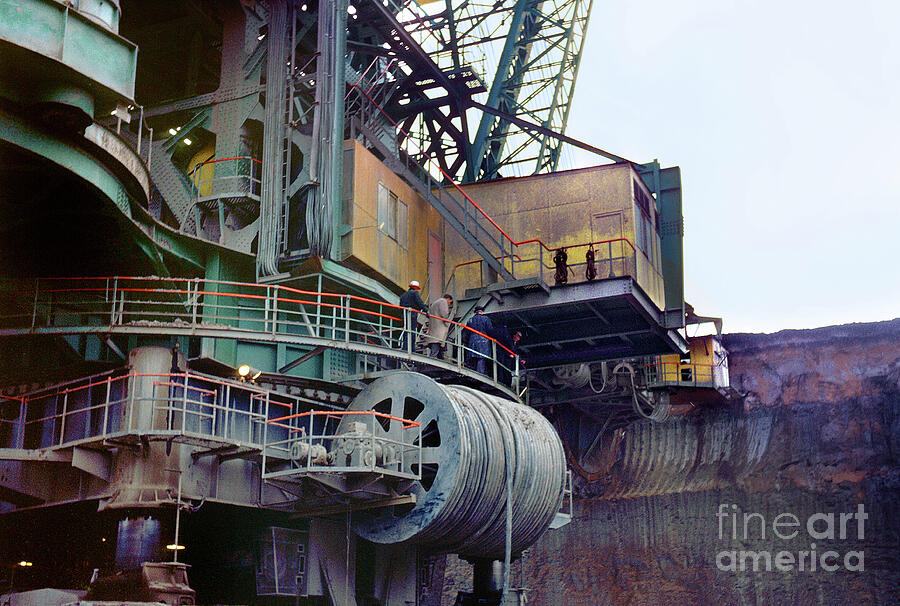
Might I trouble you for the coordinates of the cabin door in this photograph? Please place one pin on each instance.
(609, 250)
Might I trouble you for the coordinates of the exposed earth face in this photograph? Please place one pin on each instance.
(690, 506)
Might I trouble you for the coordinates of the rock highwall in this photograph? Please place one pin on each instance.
(818, 436)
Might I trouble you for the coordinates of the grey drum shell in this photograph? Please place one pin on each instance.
(464, 509)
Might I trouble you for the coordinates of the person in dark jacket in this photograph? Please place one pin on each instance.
(413, 303)
(479, 346)
(506, 368)
(412, 298)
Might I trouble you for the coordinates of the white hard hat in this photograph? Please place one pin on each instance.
(414, 284)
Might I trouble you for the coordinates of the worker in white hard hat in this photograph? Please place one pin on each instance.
(411, 300)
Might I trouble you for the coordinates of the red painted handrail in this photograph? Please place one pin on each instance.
(115, 284)
(407, 424)
(535, 240)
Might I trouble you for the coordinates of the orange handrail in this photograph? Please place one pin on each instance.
(680, 364)
(538, 241)
(115, 284)
(199, 166)
(441, 170)
(407, 424)
(459, 188)
(251, 158)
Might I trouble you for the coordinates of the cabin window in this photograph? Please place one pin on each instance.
(644, 234)
(387, 211)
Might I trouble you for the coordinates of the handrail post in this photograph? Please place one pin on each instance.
(266, 308)
(226, 400)
(106, 405)
(402, 447)
(62, 423)
(346, 318)
(495, 361)
(372, 438)
(130, 400)
(515, 379)
(140, 130)
(150, 150)
(459, 352)
(265, 447)
(20, 428)
(183, 405)
(264, 406)
(34, 311)
(112, 314)
(610, 257)
(275, 311)
(195, 301)
(410, 334)
(541, 255)
(309, 439)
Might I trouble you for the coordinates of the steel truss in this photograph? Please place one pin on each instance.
(536, 46)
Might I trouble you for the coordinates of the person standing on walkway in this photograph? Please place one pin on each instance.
(507, 368)
(438, 326)
(413, 303)
(479, 347)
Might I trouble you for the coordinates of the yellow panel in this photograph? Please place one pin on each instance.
(569, 208)
(202, 176)
(370, 249)
(702, 350)
(702, 369)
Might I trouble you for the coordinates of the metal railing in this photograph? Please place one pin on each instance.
(268, 313)
(224, 185)
(226, 177)
(185, 406)
(211, 412)
(434, 181)
(521, 259)
(613, 258)
(659, 374)
(141, 140)
(343, 441)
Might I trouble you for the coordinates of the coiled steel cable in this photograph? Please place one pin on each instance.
(492, 451)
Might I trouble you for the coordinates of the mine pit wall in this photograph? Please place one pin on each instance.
(824, 406)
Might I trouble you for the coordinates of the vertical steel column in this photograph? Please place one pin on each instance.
(339, 7)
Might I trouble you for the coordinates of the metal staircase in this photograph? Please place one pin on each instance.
(172, 184)
(454, 206)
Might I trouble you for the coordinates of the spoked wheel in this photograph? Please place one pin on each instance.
(467, 439)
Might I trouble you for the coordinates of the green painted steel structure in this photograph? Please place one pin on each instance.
(528, 53)
(534, 50)
(60, 41)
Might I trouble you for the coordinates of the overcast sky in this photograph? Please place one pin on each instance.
(783, 118)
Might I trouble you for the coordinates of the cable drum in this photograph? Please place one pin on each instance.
(467, 437)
